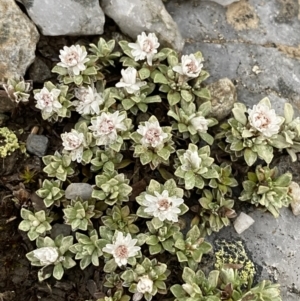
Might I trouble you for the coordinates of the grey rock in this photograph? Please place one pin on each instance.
(223, 97)
(58, 229)
(68, 17)
(285, 164)
(18, 40)
(224, 2)
(83, 190)
(136, 16)
(37, 144)
(273, 245)
(261, 57)
(3, 118)
(39, 72)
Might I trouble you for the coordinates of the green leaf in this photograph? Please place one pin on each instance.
(203, 93)
(144, 73)
(288, 112)
(110, 266)
(78, 79)
(250, 156)
(189, 180)
(60, 70)
(58, 271)
(157, 223)
(152, 240)
(239, 115)
(155, 249)
(178, 292)
(159, 78)
(188, 275)
(181, 257)
(173, 97)
(186, 95)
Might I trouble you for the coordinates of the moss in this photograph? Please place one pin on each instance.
(8, 142)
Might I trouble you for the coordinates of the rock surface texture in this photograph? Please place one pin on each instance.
(18, 39)
(224, 2)
(256, 45)
(68, 17)
(136, 16)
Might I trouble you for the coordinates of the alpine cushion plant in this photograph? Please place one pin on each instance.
(136, 125)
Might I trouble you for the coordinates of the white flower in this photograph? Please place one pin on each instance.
(73, 58)
(191, 160)
(145, 47)
(122, 249)
(145, 285)
(200, 124)
(163, 206)
(47, 101)
(46, 255)
(152, 134)
(106, 126)
(129, 81)
(73, 143)
(264, 119)
(89, 100)
(190, 66)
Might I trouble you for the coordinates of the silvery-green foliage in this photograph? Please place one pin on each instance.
(103, 53)
(161, 239)
(106, 160)
(214, 212)
(78, 214)
(268, 189)
(87, 249)
(119, 218)
(51, 192)
(113, 188)
(89, 75)
(148, 154)
(18, 89)
(64, 99)
(191, 247)
(152, 272)
(35, 224)
(136, 102)
(194, 167)
(58, 166)
(192, 122)
(118, 295)
(64, 257)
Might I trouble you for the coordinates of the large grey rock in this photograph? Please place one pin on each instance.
(18, 39)
(67, 17)
(83, 190)
(224, 2)
(136, 16)
(37, 144)
(39, 72)
(254, 43)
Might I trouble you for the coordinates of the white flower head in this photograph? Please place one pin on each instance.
(73, 144)
(46, 255)
(145, 285)
(129, 81)
(191, 160)
(152, 134)
(200, 124)
(145, 47)
(106, 126)
(89, 100)
(73, 58)
(190, 66)
(264, 119)
(47, 101)
(122, 248)
(163, 206)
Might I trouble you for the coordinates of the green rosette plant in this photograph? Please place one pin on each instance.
(147, 279)
(51, 192)
(193, 123)
(190, 248)
(76, 67)
(78, 214)
(214, 211)
(225, 181)
(87, 249)
(113, 188)
(119, 218)
(152, 143)
(265, 188)
(54, 101)
(18, 89)
(117, 296)
(35, 224)
(194, 167)
(161, 239)
(162, 202)
(52, 253)
(58, 166)
(106, 160)
(250, 132)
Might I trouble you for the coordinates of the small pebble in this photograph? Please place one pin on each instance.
(37, 144)
(82, 190)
